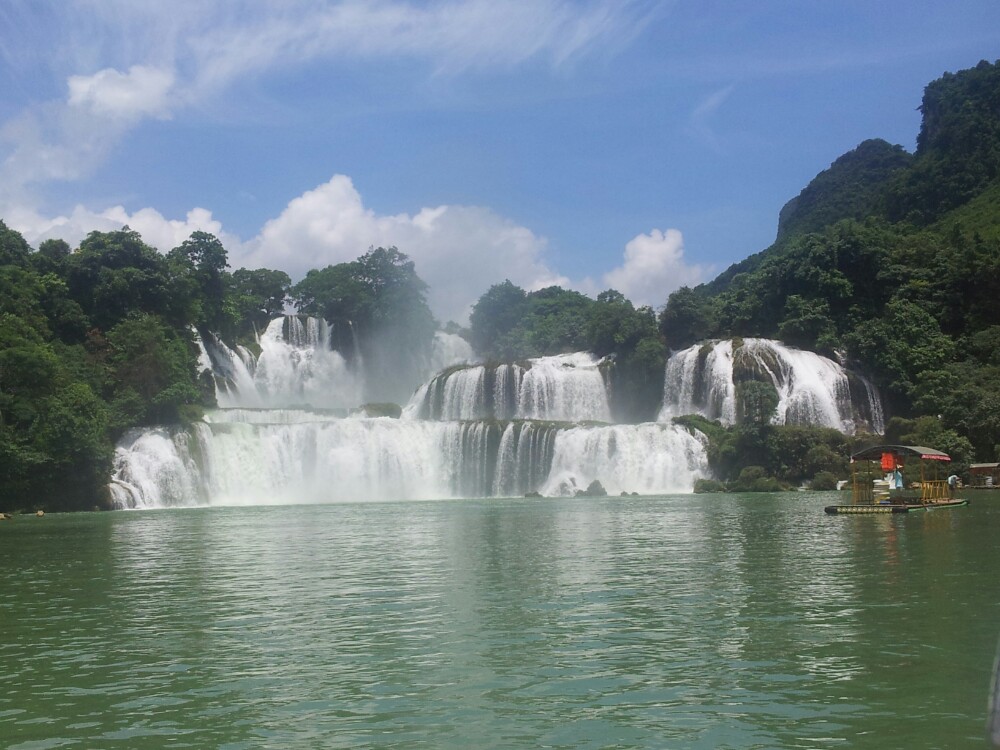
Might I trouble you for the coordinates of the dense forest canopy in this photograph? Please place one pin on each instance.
(888, 259)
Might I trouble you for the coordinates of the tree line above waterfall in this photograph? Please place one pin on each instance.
(890, 258)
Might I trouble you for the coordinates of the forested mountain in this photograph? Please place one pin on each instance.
(893, 261)
(887, 259)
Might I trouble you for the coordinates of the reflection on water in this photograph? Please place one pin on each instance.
(702, 622)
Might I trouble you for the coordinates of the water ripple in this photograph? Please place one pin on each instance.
(702, 622)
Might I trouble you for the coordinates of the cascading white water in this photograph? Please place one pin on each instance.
(288, 432)
(239, 463)
(234, 374)
(298, 458)
(447, 349)
(648, 458)
(699, 380)
(297, 366)
(155, 468)
(561, 388)
(811, 389)
(568, 387)
(472, 430)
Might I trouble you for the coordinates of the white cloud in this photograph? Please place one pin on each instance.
(67, 140)
(156, 230)
(140, 92)
(458, 250)
(653, 267)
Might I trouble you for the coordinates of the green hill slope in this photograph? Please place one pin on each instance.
(891, 260)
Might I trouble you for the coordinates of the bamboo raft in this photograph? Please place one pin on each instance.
(876, 476)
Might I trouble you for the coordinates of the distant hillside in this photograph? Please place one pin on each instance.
(889, 259)
(852, 188)
(957, 163)
(958, 148)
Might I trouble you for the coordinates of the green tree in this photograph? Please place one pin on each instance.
(255, 297)
(14, 251)
(906, 342)
(932, 432)
(494, 315)
(851, 188)
(758, 403)
(958, 147)
(152, 373)
(71, 433)
(807, 324)
(53, 447)
(29, 371)
(638, 356)
(114, 274)
(51, 257)
(379, 299)
(687, 318)
(199, 268)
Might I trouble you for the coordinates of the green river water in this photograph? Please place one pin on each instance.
(721, 621)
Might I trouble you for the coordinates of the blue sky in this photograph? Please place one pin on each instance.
(641, 145)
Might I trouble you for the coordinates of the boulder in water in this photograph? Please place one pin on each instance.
(594, 489)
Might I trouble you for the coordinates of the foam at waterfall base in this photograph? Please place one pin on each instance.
(225, 461)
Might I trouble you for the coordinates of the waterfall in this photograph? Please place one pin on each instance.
(288, 430)
(699, 380)
(233, 458)
(566, 387)
(297, 366)
(647, 458)
(811, 389)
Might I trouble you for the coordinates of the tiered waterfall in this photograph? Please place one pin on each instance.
(288, 430)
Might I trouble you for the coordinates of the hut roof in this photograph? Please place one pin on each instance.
(913, 451)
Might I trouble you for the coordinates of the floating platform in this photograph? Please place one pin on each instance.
(869, 508)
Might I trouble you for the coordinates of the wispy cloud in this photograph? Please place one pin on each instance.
(700, 122)
(450, 36)
(124, 62)
(209, 45)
